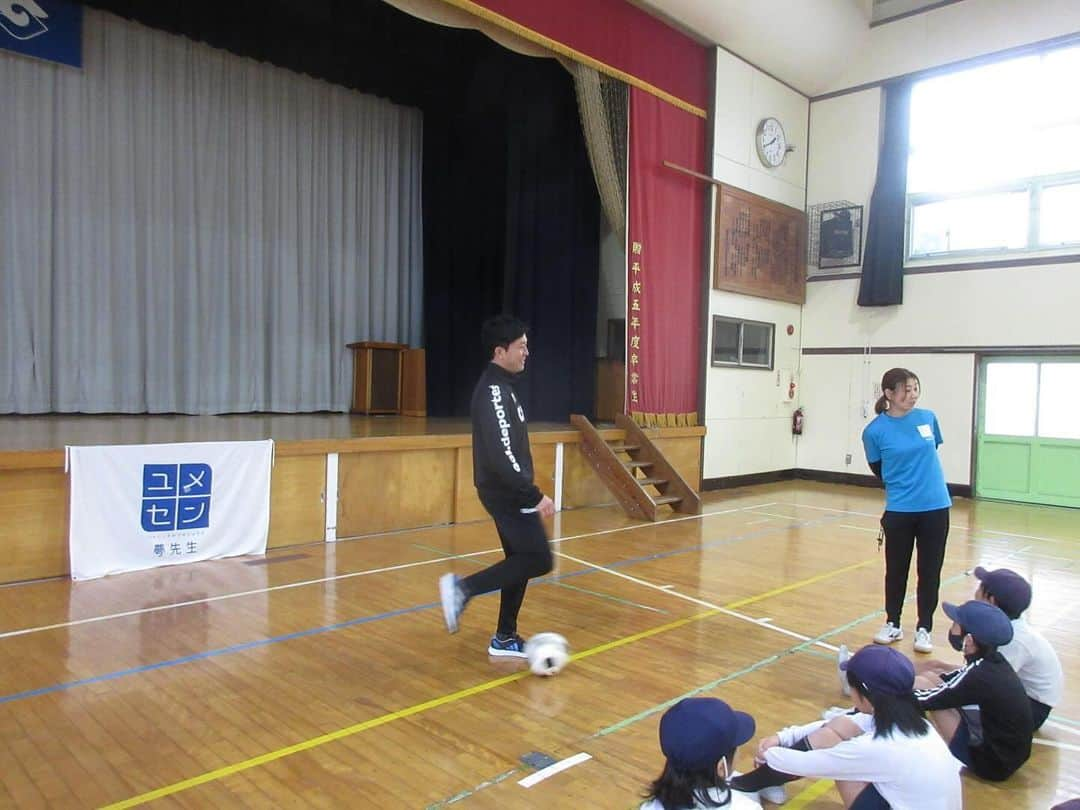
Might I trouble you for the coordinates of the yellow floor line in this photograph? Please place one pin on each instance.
(452, 697)
(815, 791)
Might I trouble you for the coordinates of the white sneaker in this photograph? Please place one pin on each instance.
(453, 600)
(775, 794)
(842, 655)
(923, 642)
(835, 711)
(888, 634)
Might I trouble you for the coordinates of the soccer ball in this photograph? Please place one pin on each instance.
(547, 653)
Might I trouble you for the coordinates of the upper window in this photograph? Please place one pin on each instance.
(994, 162)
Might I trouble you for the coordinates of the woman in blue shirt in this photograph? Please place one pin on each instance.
(901, 448)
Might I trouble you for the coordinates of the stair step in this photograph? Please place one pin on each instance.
(666, 499)
(624, 448)
(645, 482)
(637, 464)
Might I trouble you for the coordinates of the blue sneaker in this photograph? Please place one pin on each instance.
(513, 647)
(453, 600)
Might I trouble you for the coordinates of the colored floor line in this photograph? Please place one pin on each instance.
(67, 685)
(599, 595)
(339, 577)
(712, 606)
(804, 647)
(814, 791)
(187, 659)
(390, 717)
(1058, 718)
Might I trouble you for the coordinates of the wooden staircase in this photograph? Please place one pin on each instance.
(619, 463)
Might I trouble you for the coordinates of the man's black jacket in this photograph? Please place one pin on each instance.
(502, 463)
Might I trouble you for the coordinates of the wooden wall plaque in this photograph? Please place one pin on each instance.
(760, 247)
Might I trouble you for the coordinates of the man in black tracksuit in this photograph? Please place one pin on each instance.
(981, 709)
(503, 474)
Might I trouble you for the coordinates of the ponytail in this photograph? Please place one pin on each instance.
(890, 381)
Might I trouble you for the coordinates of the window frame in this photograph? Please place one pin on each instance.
(1033, 186)
(740, 363)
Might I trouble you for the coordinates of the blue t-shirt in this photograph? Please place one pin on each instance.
(907, 446)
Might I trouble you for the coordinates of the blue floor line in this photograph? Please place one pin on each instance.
(249, 645)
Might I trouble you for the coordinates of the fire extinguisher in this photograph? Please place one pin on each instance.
(797, 422)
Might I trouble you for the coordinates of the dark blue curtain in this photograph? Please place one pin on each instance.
(552, 245)
(882, 282)
(511, 225)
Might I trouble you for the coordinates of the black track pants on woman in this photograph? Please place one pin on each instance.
(905, 531)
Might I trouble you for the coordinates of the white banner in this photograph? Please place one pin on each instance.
(141, 506)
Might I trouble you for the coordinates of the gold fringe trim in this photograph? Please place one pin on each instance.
(564, 50)
(665, 419)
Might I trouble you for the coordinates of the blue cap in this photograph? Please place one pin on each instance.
(882, 669)
(1011, 592)
(696, 733)
(987, 623)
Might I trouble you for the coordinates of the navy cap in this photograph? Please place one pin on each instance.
(697, 732)
(987, 623)
(882, 669)
(1011, 592)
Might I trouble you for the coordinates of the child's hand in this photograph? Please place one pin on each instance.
(764, 745)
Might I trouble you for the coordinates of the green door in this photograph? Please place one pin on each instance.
(1028, 434)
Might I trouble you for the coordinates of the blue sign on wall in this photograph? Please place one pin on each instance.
(46, 29)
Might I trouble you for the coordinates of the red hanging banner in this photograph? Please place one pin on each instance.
(664, 261)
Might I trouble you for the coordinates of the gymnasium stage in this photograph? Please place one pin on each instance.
(335, 475)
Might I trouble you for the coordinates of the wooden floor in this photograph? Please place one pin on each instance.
(322, 676)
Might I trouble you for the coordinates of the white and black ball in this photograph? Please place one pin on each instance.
(548, 653)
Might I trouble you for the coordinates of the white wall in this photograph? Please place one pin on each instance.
(953, 33)
(747, 412)
(843, 149)
(838, 395)
(1018, 306)
(1009, 307)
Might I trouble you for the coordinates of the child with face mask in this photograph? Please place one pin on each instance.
(1029, 652)
(980, 709)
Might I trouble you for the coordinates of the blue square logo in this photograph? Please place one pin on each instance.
(176, 497)
(193, 513)
(195, 479)
(159, 514)
(159, 480)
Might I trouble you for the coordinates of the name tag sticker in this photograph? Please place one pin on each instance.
(926, 432)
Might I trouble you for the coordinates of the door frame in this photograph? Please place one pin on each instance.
(1034, 354)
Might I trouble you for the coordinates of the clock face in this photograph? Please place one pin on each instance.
(771, 142)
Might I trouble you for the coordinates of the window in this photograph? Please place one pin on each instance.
(742, 343)
(993, 166)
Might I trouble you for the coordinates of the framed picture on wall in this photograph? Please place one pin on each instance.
(840, 238)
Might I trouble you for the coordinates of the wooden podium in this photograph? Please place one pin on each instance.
(388, 378)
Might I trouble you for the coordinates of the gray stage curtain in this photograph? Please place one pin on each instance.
(183, 230)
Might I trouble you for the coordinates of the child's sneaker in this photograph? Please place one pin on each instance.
(775, 794)
(513, 647)
(836, 711)
(453, 600)
(888, 634)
